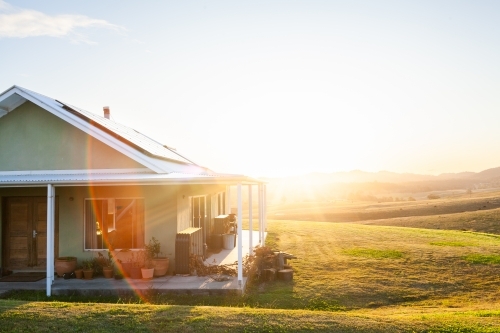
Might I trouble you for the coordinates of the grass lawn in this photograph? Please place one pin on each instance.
(356, 266)
(22, 316)
(349, 277)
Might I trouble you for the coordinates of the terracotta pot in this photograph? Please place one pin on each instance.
(65, 265)
(108, 272)
(88, 274)
(135, 273)
(161, 266)
(126, 266)
(147, 273)
(79, 273)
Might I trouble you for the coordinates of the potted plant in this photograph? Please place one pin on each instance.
(106, 264)
(88, 269)
(148, 268)
(123, 267)
(65, 265)
(135, 266)
(79, 272)
(160, 264)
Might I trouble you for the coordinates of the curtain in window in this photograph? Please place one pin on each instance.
(90, 225)
(139, 224)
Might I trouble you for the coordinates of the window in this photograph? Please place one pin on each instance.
(198, 209)
(221, 203)
(114, 223)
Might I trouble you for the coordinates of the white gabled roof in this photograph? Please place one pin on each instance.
(137, 146)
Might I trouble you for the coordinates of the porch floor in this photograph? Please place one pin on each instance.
(167, 284)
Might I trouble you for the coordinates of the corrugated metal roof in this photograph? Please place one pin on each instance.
(127, 135)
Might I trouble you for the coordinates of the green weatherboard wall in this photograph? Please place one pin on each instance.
(34, 139)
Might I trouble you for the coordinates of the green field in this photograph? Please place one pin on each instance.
(383, 275)
(354, 211)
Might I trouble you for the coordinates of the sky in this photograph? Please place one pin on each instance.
(275, 88)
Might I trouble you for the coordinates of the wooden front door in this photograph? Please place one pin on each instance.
(25, 233)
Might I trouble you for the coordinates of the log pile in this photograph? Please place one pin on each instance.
(272, 264)
(265, 265)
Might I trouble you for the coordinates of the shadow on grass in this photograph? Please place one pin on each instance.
(271, 295)
(10, 305)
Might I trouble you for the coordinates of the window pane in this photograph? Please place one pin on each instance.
(129, 224)
(114, 224)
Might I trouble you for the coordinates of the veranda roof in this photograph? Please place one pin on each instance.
(85, 178)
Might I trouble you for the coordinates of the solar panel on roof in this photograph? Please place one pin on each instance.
(137, 138)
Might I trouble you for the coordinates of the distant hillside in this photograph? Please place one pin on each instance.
(381, 186)
(358, 176)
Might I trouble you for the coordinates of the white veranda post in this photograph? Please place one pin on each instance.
(264, 206)
(53, 232)
(50, 238)
(240, 239)
(228, 200)
(261, 214)
(250, 222)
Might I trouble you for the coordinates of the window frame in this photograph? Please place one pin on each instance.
(221, 203)
(114, 222)
(203, 218)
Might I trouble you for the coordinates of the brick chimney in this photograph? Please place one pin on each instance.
(107, 113)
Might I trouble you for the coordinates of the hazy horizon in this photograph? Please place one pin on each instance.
(374, 172)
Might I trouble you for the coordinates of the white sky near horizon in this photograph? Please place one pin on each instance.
(275, 88)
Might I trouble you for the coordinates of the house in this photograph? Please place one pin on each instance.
(72, 183)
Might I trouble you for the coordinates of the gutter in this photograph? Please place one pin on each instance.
(132, 182)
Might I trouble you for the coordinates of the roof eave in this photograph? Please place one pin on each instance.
(136, 182)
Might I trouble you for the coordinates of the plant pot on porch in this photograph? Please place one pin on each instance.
(161, 266)
(79, 273)
(107, 272)
(135, 272)
(88, 274)
(147, 273)
(65, 265)
(88, 268)
(125, 268)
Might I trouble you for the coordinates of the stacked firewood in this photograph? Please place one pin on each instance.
(266, 265)
(272, 264)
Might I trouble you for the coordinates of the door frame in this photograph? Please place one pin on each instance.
(5, 231)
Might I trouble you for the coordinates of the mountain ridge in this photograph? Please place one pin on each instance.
(359, 176)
